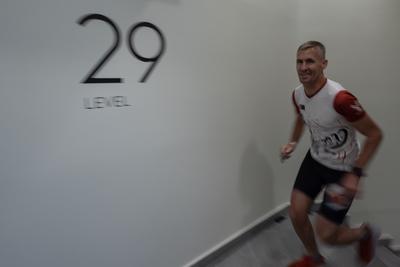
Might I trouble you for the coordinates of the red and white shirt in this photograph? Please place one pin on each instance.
(328, 114)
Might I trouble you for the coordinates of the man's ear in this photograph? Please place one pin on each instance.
(325, 63)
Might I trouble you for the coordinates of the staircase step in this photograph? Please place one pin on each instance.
(275, 244)
(395, 248)
(387, 257)
(386, 240)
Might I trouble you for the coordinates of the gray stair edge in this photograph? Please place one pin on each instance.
(389, 258)
(395, 248)
(276, 215)
(387, 251)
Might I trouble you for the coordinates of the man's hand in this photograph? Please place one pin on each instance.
(286, 150)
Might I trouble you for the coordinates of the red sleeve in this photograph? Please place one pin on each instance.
(347, 105)
(295, 104)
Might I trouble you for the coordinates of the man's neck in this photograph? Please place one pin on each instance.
(312, 89)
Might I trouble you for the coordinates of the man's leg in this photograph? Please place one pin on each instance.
(330, 228)
(300, 205)
(305, 189)
(335, 234)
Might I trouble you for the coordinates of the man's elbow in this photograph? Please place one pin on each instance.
(377, 135)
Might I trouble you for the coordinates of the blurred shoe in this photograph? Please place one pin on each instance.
(367, 245)
(308, 261)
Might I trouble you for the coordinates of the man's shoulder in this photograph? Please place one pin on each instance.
(334, 86)
(298, 89)
(334, 89)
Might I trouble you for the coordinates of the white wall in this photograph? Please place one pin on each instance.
(193, 159)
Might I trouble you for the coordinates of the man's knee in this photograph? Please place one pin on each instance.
(300, 205)
(297, 214)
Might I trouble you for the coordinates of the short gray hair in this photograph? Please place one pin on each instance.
(311, 44)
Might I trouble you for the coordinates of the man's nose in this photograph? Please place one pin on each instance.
(302, 66)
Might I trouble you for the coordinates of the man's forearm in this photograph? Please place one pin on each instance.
(298, 129)
(369, 148)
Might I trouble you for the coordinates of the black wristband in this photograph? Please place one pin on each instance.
(358, 171)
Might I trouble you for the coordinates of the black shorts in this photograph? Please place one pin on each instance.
(312, 178)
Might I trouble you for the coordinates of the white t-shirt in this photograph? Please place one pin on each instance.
(328, 114)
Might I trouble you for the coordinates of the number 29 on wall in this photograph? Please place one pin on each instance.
(89, 78)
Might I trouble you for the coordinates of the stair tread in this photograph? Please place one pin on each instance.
(278, 245)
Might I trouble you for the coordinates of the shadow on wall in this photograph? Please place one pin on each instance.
(256, 183)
